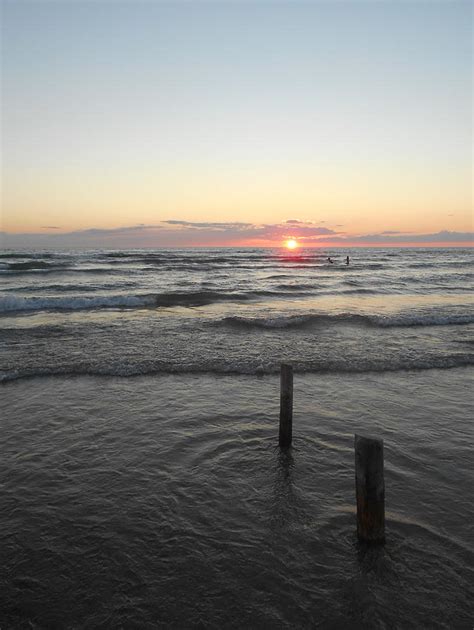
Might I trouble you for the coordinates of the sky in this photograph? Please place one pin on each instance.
(171, 124)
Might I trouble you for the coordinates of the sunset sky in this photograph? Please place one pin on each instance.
(236, 123)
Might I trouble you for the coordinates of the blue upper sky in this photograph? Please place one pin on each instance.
(148, 111)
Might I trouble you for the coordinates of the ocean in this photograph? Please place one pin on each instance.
(141, 483)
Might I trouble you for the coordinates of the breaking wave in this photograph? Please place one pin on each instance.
(401, 320)
(238, 368)
(35, 265)
(199, 298)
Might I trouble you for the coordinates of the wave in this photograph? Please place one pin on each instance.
(55, 269)
(33, 255)
(295, 287)
(122, 255)
(66, 288)
(177, 261)
(436, 264)
(14, 303)
(33, 265)
(221, 368)
(312, 289)
(401, 320)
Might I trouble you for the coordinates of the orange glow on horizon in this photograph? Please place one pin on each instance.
(291, 243)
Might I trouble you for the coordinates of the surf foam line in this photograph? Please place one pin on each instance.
(399, 320)
(14, 303)
(222, 369)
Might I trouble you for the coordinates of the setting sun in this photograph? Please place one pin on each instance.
(291, 244)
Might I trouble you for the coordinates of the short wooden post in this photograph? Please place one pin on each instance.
(370, 489)
(286, 405)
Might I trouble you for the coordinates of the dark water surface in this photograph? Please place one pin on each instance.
(163, 501)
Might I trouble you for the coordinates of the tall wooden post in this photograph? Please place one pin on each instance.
(370, 489)
(286, 405)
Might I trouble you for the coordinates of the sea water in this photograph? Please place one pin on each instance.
(234, 311)
(140, 480)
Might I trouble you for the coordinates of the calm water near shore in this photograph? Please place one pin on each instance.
(141, 485)
(163, 501)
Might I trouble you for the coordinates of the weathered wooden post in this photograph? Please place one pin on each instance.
(370, 489)
(286, 405)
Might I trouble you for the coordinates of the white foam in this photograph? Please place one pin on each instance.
(12, 303)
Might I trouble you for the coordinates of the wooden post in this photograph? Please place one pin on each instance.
(370, 489)
(286, 405)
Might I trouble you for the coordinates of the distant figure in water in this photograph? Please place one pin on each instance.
(347, 260)
(329, 260)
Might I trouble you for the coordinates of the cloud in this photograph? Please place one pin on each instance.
(392, 237)
(174, 233)
(209, 225)
(312, 231)
(114, 231)
(127, 236)
(50, 227)
(437, 237)
(182, 233)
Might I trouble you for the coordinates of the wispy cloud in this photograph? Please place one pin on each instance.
(211, 225)
(393, 237)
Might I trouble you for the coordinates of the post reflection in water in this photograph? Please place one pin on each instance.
(285, 501)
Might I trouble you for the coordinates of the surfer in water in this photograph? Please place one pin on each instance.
(330, 261)
(347, 260)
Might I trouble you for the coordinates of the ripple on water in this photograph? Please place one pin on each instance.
(144, 502)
